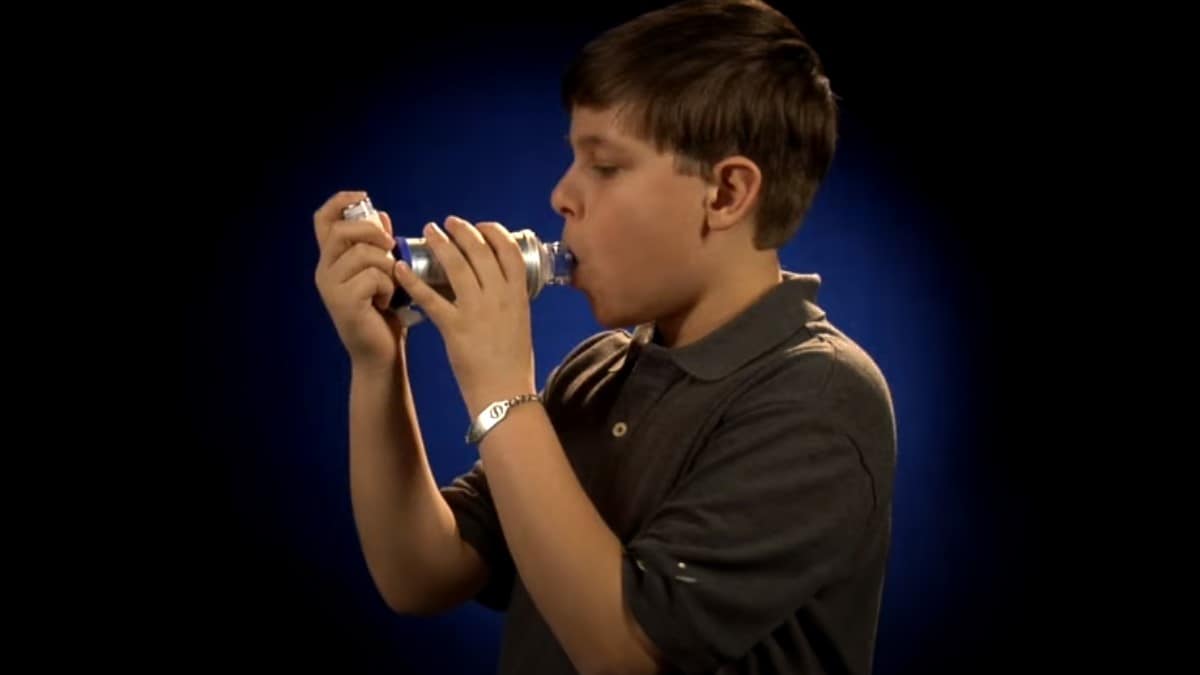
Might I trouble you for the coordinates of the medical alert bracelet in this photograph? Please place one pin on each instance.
(493, 415)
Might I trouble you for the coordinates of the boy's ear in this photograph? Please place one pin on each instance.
(733, 191)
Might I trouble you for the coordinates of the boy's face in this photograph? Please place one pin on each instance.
(633, 222)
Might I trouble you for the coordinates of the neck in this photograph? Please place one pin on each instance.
(729, 292)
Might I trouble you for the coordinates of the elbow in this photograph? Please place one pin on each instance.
(423, 596)
(631, 661)
(397, 606)
(399, 602)
(406, 604)
(600, 668)
(397, 596)
(403, 597)
(630, 653)
(599, 662)
(614, 667)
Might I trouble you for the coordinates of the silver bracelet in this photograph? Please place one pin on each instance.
(493, 415)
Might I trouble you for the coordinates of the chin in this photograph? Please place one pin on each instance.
(606, 321)
(611, 319)
(603, 315)
(613, 316)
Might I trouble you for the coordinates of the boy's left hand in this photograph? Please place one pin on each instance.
(487, 327)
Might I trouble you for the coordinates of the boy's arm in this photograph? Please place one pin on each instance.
(568, 558)
(407, 531)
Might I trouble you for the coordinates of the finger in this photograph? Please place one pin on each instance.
(346, 234)
(387, 223)
(478, 251)
(439, 309)
(360, 257)
(331, 211)
(458, 271)
(371, 285)
(508, 253)
(385, 288)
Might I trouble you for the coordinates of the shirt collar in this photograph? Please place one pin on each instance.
(774, 317)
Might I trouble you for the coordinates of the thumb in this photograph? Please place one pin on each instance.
(387, 223)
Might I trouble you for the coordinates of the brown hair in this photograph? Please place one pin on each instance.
(712, 78)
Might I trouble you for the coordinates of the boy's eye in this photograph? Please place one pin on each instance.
(605, 171)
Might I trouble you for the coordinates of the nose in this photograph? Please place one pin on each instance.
(561, 199)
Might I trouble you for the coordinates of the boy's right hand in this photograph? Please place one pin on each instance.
(356, 279)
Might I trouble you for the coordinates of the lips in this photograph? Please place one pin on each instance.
(575, 274)
(574, 264)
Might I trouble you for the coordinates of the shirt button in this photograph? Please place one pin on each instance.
(619, 429)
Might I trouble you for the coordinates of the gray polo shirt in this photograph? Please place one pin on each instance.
(748, 476)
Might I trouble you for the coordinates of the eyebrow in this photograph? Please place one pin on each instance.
(592, 140)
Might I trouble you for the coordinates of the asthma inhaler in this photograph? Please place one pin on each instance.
(546, 263)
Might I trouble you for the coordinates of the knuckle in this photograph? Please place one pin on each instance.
(376, 235)
(448, 254)
(352, 254)
(376, 256)
(367, 281)
(513, 251)
(491, 232)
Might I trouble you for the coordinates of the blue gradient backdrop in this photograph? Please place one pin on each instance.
(464, 119)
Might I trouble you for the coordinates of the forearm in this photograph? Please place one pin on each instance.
(568, 558)
(405, 527)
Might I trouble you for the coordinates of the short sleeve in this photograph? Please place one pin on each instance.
(773, 508)
(470, 500)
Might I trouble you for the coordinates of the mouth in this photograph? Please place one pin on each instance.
(575, 278)
(570, 265)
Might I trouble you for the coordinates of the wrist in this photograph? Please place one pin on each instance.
(495, 415)
(375, 371)
(479, 401)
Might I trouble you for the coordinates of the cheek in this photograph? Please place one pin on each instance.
(642, 230)
(656, 209)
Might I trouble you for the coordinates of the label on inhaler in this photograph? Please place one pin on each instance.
(364, 210)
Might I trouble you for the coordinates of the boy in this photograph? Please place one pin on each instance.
(711, 493)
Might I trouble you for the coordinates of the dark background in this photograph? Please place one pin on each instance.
(257, 562)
